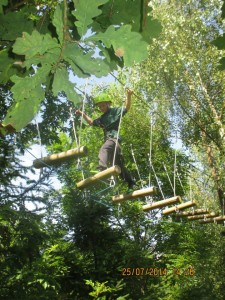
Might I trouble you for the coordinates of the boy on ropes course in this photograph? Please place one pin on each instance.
(109, 121)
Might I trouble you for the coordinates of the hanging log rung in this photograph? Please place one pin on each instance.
(161, 203)
(207, 221)
(207, 216)
(195, 212)
(217, 220)
(115, 170)
(134, 194)
(220, 219)
(61, 157)
(179, 207)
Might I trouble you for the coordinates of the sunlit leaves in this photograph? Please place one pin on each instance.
(61, 51)
(6, 67)
(28, 94)
(2, 3)
(84, 12)
(87, 63)
(129, 44)
(13, 24)
(36, 43)
(61, 83)
(22, 112)
(57, 22)
(135, 13)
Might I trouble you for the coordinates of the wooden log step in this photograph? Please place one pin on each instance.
(207, 221)
(61, 157)
(194, 212)
(179, 207)
(206, 216)
(161, 203)
(115, 170)
(217, 220)
(220, 220)
(134, 194)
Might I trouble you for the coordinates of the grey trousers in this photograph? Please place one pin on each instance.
(106, 155)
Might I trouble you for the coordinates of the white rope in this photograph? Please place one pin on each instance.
(39, 137)
(40, 143)
(135, 162)
(150, 149)
(159, 185)
(174, 173)
(74, 128)
(168, 176)
(178, 176)
(82, 117)
(190, 190)
(78, 139)
(79, 163)
(117, 136)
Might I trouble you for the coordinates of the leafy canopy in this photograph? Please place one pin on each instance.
(53, 41)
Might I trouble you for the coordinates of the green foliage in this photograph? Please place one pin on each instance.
(123, 42)
(78, 244)
(3, 3)
(13, 24)
(85, 12)
(61, 48)
(35, 44)
(136, 13)
(6, 68)
(102, 288)
(57, 22)
(219, 41)
(85, 63)
(27, 100)
(185, 80)
(68, 87)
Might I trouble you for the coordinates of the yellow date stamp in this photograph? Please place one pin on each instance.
(156, 272)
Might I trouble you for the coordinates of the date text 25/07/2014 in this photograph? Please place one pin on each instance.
(154, 272)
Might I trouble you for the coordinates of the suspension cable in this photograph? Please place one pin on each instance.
(159, 185)
(135, 162)
(150, 147)
(39, 137)
(168, 177)
(117, 136)
(190, 189)
(74, 128)
(178, 176)
(78, 138)
(82, 117)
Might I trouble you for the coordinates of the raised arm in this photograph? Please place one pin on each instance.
(86, 117)
(128, 99)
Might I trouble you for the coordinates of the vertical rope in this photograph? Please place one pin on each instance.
(168, 176)
(190, 189)
(159, 185)
(174, 172)
(82, 118)
(132, 152)
(223, 206)
(40, 143)
(74, 128)
(39, 137)
(178, 176)
(150, 149)
(76, 137)
(117, 136)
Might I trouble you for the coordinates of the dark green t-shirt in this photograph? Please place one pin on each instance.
(109, 121)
